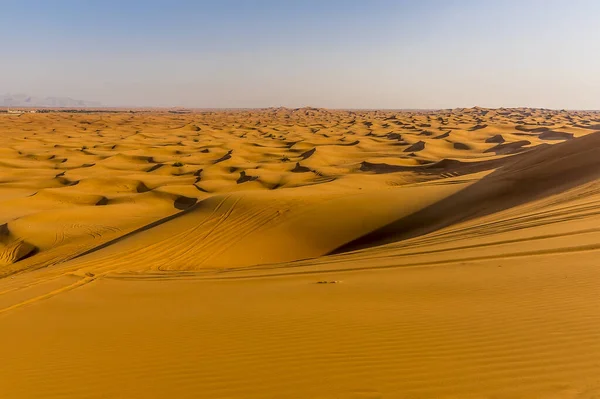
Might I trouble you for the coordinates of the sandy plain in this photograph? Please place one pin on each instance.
(300, 253)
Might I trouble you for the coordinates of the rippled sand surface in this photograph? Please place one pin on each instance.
(300, 253)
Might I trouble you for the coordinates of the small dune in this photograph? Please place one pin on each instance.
(442, 136)
(530, 129)
(300, 169)
(509, 148)
(418, 146)
(461, 146)
(308, 154)
(497, 139)
(224, 157)
(553, 135)
(478, 127)
(245, 178)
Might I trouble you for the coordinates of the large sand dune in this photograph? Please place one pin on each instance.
(300, 254)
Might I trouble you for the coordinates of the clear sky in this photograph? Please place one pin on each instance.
(336, 54)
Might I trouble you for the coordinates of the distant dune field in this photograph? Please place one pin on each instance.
(300, 253)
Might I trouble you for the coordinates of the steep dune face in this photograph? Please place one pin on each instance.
(300, 253)
(540, 173)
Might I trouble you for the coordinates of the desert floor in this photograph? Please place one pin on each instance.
(300, 254)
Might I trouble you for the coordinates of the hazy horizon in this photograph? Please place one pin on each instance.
(331, 54)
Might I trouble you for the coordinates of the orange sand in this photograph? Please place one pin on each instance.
(153, 255)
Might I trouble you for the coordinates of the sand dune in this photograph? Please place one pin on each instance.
(146, 255)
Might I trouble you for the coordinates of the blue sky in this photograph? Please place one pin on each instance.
(337, 54)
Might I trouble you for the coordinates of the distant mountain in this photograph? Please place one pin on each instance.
(24, 100)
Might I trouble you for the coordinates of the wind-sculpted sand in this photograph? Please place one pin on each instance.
(153, 254)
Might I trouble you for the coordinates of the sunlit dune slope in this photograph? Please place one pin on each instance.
(542, 172)
(257, 227)
(300, 253)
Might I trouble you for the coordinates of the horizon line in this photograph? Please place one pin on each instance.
(183, 108)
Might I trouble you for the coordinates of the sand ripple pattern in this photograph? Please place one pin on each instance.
(155, 254)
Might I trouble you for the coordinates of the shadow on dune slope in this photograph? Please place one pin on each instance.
(542, 172)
